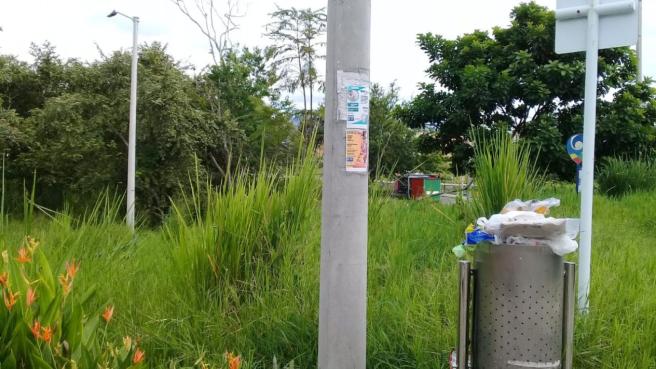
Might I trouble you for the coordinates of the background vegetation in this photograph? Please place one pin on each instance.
(511, 77)
(227, 257)
(55, 115)
(618, 177)
(151, 280)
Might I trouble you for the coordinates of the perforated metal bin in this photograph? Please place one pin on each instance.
(522, 309)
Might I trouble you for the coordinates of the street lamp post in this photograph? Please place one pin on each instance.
(132, 130)
(639, 50)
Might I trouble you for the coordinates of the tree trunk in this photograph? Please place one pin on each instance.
(311, 85)
(301, 77)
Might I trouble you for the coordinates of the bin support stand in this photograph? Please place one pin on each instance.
(463, 317)
(568, 315)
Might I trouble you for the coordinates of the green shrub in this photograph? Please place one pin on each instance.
(618, 177)
(505, 171)
(43, 323)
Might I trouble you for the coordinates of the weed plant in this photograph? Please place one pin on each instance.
(505, 170)
(236, 234)
(618, 177)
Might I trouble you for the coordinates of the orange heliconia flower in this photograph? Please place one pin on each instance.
(71, 269)
(47, 334)
(234, 362)
(10, 298)
(4, 278)
(138, 356)
(31, 296)
(66, 283)
(23, 256)
(108, 313)
(32, 243)
(127, 342)
(36, 329)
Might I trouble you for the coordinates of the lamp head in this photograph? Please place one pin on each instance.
(113, 13)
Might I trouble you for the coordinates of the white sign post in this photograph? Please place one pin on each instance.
(590, 25)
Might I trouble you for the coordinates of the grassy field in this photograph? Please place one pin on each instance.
(186, 316)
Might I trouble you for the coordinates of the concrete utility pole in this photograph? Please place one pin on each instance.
(343, 292)
(132, 128)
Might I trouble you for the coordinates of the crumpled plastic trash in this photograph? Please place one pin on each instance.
(523, 223)
(475, 235)
(536, 206)
(561, 245)
(530, 228)
(459, 251)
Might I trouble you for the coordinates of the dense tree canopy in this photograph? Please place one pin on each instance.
(66, 121)
(393, 145)
(512, 78)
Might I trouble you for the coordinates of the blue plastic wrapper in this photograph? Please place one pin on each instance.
(477, 236)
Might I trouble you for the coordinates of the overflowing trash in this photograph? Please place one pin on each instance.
(523, 223)
(536, 206)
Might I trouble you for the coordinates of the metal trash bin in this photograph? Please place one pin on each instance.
(523, 309)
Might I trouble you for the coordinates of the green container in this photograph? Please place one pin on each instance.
(433, 187)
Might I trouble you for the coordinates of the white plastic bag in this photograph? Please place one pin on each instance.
(536, 206)
(532, 229)
(497, 222)
(561, 245)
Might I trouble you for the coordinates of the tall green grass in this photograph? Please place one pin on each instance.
(265, 304)
(618, 177)
(235, 234)
(412, 290)
(3, 217)
(619, 330)
(505, 170)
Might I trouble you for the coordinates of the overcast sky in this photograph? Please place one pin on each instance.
(75, 27)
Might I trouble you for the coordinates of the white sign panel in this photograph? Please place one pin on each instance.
(618, 24)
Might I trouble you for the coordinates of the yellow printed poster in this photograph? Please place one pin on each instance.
(357, 150)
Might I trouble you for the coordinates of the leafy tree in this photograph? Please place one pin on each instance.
(72, 126)
(624, 129)
(627, 124)
(252, 104)
(243, 75)
(11, 136)
(18, 85)
(86, 124)
(64, 135)
(393, 147)
(12, 142)
(24, 87)
(391, 143)
(511, 78)
(299, 37)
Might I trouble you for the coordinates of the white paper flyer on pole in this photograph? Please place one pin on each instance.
(353, 99)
